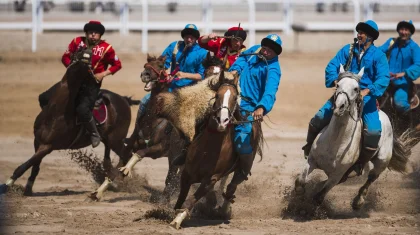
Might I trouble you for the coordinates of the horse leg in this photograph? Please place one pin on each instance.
(107, 159)
(332, 181)
(379, 167)
(35, 161)
(301, 180)
(170, 183)
(202, 190)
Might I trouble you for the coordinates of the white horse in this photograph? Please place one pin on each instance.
(338, 145)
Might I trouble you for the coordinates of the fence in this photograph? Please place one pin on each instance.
(208, 15)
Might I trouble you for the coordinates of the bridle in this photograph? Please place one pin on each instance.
(86, 60)
(158, 74)
(358, 101)
(230, 112)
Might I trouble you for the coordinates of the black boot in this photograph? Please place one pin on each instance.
(366, 154)
(94, 134)
(310, 138)
(245, 164)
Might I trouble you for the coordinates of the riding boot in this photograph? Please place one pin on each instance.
(365, 156)
(180, 159)
(310, 138)
(245, 165)
(94, 134)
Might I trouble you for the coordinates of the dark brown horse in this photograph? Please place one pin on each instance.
(56, 128)
(211, 155)
(405, 126)
(152, 137)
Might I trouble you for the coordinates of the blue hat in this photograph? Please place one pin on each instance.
(369, 27)
(273, 42)
(190, 29)
(407, 24)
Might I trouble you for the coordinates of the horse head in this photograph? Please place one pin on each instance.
(212, 64)
(154, 72)
(225, 104)
(80, 68)
(347, 93)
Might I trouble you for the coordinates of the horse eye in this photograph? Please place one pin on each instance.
(356, 89)
(338, 86)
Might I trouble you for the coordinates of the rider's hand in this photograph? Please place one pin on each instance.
(364, 92)
(396, 75)
(258, 114)
(213, 36)
(100, 76)
(179, 75)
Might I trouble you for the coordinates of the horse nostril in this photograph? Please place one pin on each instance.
(226, 120)
(342, 106)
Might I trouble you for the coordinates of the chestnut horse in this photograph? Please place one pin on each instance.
(211, 156)
(56, 128)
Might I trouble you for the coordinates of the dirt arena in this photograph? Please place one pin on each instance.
(62, 185)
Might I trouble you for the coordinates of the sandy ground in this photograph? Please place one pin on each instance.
(58, 204)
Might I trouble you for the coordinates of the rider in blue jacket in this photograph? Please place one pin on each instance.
(404, 63)
(185, 56)
(374, 82)
(259, 81)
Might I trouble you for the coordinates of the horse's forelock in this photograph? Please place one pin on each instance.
(348, 75)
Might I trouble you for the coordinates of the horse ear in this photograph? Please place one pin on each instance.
(341, 69)
(162, 58)
(208, 56)
(222, 77)
(361, 72)
(149, 58)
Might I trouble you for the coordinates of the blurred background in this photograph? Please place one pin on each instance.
(151, 22)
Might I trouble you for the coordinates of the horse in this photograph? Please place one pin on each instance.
(406, 126)
(211, 156)
(338, 145)
(152, 137)
(56, 127)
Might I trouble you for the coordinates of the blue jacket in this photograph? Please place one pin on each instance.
(190, 64)
(258, 89)
(376, 73)
(403, 59)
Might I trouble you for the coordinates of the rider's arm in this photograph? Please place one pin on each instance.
(209, 44)
(199, 68)
(333, 67)
(241, 62)
(413, 72)
(381, 74)
(385, 46)
(271, 87)
(65, 59)
(112, 59)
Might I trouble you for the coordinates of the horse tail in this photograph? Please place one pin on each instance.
(401, 151)
(131, 101)
(259, 141)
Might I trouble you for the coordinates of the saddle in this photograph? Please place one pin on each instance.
(100, 111)
(412, 94)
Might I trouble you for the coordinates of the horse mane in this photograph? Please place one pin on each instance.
(210, 61)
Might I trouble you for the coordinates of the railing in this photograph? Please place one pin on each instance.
(124, 23)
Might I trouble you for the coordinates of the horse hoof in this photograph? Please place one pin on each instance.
(3, 189)
(358, 203)
(299, 190)
(92, 198)
(28, 192)
(175, 225)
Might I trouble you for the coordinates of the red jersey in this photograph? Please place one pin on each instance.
(222, 50)
(103, 55)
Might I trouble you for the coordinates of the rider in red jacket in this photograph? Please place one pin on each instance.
(104, 62)
(226, 49)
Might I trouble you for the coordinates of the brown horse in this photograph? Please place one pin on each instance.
(211, 155)
(152, 137)
(56, 128)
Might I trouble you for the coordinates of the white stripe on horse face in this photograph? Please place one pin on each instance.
(224, 112)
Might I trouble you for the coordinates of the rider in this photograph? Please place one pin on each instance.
(226, 49)
(404, 63)
(259, 71)
(184, 58)
(375, 80)
(104, 62)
